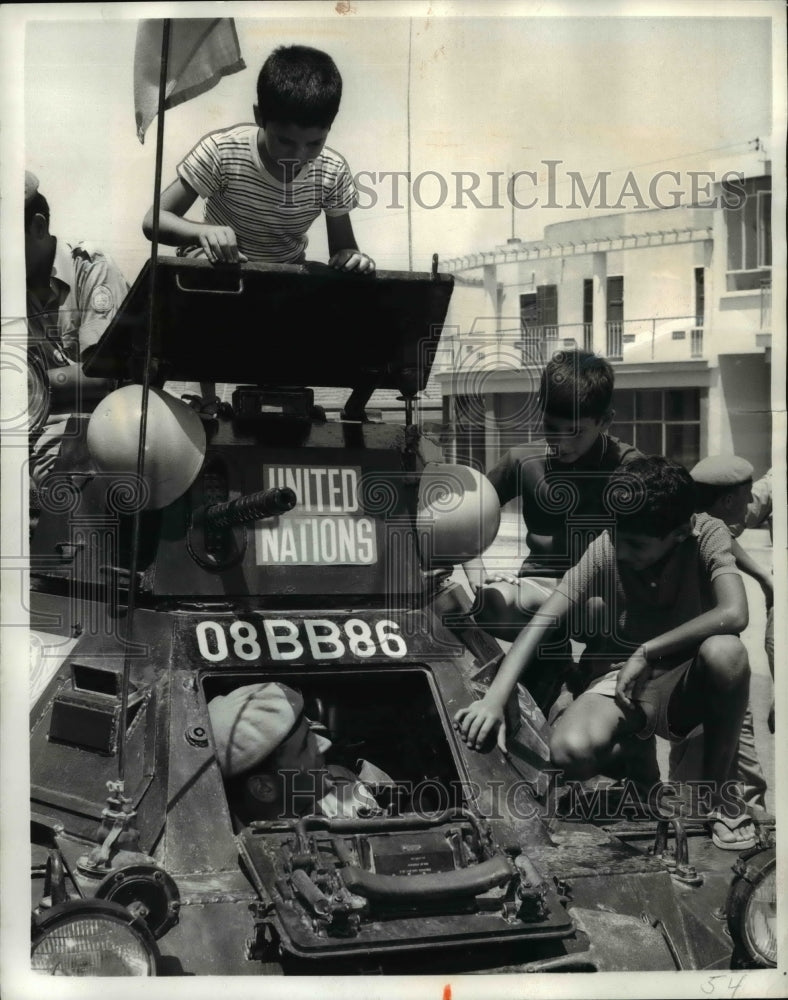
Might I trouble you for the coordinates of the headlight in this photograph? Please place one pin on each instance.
(752, 906)
(88, 937)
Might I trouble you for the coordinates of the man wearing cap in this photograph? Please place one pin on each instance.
(272, 759)
(73, 291)
(724, 485)
(759, 513)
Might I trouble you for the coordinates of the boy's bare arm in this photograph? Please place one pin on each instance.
(343, 250)
(218, 242)
(479, 719)
(747, 564)
(729, 616)
(475, 573)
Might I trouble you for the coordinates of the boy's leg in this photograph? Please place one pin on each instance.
(747, 770)
(354, 408)
(714, 692)
(208, 391)
(686, 763)
(634, 760)
(586, 739)
(504, 608)
(768, 645)
(630, 758)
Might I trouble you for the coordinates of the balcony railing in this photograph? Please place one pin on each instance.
(656, 338)
(766, 304)
(615, 339)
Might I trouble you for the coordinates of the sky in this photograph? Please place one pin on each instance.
(437, 93)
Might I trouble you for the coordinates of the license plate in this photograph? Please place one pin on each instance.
(267, 639)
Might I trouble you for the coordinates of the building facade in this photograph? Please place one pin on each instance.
(679, 300)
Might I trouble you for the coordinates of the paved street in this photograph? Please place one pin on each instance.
(508, 551)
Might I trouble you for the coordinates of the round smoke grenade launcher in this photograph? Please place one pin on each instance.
(174, 441)
(458, 514)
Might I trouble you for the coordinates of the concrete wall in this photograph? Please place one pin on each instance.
(627, 224)
(739, 410)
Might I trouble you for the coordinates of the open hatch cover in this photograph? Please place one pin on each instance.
(278, 324)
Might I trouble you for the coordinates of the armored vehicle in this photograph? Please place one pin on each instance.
(180, 555)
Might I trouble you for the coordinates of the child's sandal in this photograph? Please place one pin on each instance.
(732, 823)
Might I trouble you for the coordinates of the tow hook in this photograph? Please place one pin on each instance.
(676, 858)
(55, 881)
(531, 891)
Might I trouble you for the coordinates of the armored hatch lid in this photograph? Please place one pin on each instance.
(278, 324)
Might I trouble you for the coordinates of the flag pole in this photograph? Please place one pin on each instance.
(137, 517)
(118, 838)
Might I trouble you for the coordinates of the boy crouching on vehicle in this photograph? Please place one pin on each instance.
(660, 605)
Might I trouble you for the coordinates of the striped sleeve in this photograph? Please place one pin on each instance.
(339, 195)
(202, 168)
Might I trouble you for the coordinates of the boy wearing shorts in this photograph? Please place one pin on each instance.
(264, 184)
(660, 605)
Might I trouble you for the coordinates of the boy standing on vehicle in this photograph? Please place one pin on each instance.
(264, 184)
(565, 482)
(667, 656)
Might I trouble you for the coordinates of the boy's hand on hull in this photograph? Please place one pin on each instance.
(352, 260)
(479, 721)
(220, 245)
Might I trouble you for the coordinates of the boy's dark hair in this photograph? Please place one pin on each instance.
(576, 384)
(36, 205)
(301, 85)
(707, 494)
(650, 496)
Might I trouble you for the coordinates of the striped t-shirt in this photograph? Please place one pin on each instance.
(270, 219)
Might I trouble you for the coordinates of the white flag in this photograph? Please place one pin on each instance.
(201, 52)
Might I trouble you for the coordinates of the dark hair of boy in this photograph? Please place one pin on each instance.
(36, 205)
(299, 85)
(577, 384)
(651, 496)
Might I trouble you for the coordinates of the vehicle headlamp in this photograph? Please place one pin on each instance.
(89, 937)
(752, 906)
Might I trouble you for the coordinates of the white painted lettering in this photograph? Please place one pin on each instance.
(282, 636)
(366, 540)
(324, 639)
(335, 500)
(328, 540)
(211, 641)
(287, 548)
(350, 489)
